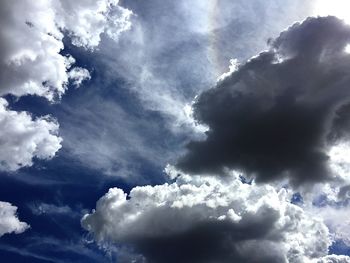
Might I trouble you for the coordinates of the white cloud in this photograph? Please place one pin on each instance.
(243, 218)
(86, 20)
(334, 259)
(337, 220)
(78, 75)
(340, 160)
(31, 40)
(8, 220)
(22, 138)
(30, 45)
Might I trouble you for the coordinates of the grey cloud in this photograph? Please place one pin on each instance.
(272, 117)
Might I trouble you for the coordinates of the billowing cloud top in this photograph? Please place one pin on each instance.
(278, 114)
(207, 219)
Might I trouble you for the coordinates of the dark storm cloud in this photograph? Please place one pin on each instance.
(273, 117)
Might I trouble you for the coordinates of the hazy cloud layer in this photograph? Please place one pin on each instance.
(208, 219)
(22, 138)
(278, 115)
(8, 220)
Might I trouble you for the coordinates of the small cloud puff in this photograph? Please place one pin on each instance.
(8, 220)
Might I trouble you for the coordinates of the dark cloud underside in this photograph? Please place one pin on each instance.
(214, 242)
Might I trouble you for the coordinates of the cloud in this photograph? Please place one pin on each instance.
(108, 137)
(334, 259)
(274, 116)
(208, 219)
(51, 209)
(77, 75)
(337, 220)
(31, 37)
(50, 249)
(330, 202)
(157, 67)
(31, 62)
(166, 61)
(23, 138)
(8, 220)
(87, 20)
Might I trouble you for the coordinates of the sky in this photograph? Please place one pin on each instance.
(183, 131)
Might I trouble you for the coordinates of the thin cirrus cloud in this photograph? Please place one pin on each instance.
(278, 115)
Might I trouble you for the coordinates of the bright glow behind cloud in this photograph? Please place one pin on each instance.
(338, 8)
(340, 160)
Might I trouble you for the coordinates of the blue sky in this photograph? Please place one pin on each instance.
(143, 131)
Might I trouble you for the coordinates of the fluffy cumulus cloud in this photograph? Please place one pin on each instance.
(279, 114)
(86, 20)
(31, 41)
(31, 35)
(209, 219)
(22, 138)
(9, 222)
